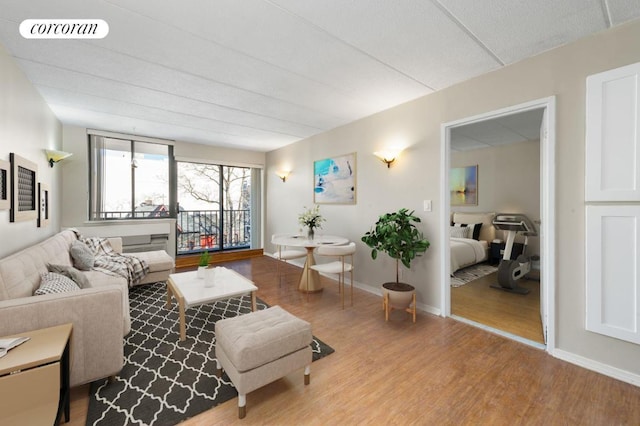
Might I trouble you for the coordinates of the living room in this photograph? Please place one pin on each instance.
(28, 127)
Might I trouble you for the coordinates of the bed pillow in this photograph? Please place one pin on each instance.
(488, 232)
(70, 272)
(52, 283)
(475, 229)
(459, 232)
(82, 256)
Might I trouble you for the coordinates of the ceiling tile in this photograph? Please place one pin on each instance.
(622, 11)
(526, 124)
(413, 36)
(47, 77)
(514, 30)
(463, 143)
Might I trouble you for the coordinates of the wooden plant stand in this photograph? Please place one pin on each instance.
(386, 306)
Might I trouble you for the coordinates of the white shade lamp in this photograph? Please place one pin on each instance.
(388, 156)
(54, 156)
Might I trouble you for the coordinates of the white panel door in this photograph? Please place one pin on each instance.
(612, 135)
(613, 288)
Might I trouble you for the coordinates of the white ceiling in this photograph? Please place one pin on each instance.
(261, 74)
(520, 127)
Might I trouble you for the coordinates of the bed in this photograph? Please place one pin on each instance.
(470, 234)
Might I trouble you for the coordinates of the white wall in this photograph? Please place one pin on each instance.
(508, 181)
(415, 177)
(27, 127)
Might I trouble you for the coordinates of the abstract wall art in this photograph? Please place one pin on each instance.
(463, 182)
(334, 180)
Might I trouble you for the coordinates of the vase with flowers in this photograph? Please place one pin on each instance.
(311, 219)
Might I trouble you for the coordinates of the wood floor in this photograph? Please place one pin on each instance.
(514, 313)
(436, 371)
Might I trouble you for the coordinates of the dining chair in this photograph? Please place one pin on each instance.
(284, 254)
(339, 266)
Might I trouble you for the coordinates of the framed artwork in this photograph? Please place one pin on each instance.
(5, 185)
(43, 205)
(334, 180)
(24, 189)
(463, 183)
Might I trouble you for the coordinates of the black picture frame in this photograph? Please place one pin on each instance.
(24, 189)
(5, 185)
(43, 204)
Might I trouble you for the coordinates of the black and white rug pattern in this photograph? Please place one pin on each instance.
(471, 273)
(165, 381)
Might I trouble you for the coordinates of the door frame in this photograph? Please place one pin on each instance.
(547, 207)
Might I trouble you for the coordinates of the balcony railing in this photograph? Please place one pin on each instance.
(199, 230)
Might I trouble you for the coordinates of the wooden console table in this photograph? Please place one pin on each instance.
(34, 378)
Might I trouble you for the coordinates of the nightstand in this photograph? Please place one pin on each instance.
(496, 251)
(34, 378)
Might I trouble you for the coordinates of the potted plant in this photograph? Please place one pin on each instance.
(397, 235)
(203, 263)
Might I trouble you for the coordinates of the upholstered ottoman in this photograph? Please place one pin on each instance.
(260, 347)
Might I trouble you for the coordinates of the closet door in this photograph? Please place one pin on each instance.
(613, 135)
(612, 203)
(613, 268)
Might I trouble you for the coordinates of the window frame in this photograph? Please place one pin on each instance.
(222, 208)
(95, 214)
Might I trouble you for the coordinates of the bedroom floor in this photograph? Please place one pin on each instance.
(513, 313)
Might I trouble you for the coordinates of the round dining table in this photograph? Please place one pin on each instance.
(310, 279)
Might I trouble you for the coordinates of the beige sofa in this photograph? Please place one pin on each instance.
(100, 314)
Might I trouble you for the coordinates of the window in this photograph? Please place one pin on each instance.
(216, 207)
(129, 179)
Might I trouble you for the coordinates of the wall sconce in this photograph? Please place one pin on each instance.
(388, 156)
(54, 156)
(283, 174)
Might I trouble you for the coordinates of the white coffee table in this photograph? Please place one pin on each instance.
(189, 290)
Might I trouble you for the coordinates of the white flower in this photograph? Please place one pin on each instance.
(311, 218)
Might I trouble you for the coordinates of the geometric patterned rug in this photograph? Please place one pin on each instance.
(471, 273)
(165, 381)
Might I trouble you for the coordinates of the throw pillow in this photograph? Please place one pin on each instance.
(70, 272)
(52, 283)
(475, 229)
(459, 232)
(82, 256)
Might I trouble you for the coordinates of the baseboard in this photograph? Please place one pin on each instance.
(598, 367)
(187, 261)
(378, 292)
(369, 289)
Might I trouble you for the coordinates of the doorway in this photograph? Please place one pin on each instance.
(214, 207)
(544, 109)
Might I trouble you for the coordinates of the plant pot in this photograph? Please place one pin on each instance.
(400, 294)
(201, 271)
(396, 295)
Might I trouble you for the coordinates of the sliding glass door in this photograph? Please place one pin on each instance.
(214, 207)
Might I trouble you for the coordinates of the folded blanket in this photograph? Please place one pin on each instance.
(131, 268)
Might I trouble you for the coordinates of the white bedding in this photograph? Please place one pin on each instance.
(467, 252)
